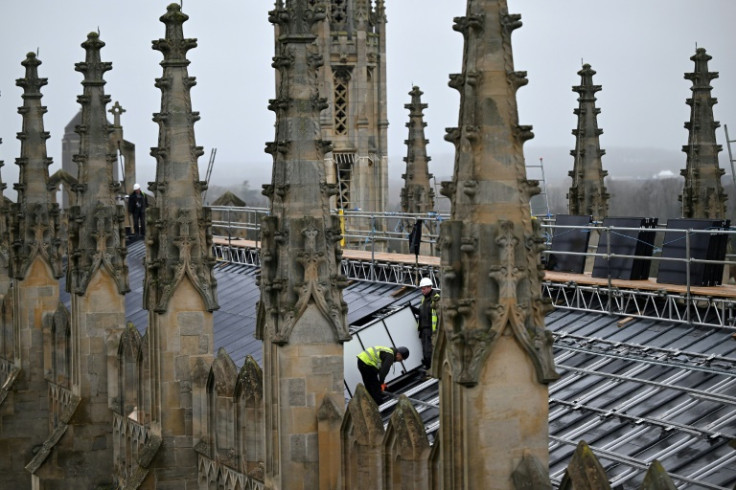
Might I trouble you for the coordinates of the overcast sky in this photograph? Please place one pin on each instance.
(639, 48)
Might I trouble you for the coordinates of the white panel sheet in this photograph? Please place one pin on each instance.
(399, 328)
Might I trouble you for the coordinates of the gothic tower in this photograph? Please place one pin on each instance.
(179, 286)
(353, 80)
(494, 355)
(702, 195)
(97, 278)
(587, 195)
(34, 266)
(301, 313)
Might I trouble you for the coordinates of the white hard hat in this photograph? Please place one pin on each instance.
(425, 282)
(136, 187)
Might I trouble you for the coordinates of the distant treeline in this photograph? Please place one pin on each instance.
(641, 197)
(629, 197)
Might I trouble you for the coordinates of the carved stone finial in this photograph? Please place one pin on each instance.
(491, 335)
(365, 417)
(702, 194)
(96, 221)
(417, 196)
(179, 234)
(300, 279)
(34, 218)
(587, 195)
(116, 110)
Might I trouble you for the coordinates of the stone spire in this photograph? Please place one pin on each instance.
(179, 286)
(702, 195)
(494, 354)
(179, 242)
(97, 277)
(587, 195)
(35, 215)
(417, 195)
(96, 231)
(35, 266)
(301, 314)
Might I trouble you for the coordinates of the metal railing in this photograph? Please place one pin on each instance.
(689, 303)
(388, 232)
(375, 232)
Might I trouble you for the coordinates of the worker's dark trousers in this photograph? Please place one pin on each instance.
(139, 223)
(370, 381)
(425, 336)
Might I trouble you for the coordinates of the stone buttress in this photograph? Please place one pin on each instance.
(97, 278)
(417, 195)
(587, 195)
(493, 354)
(34, 268)
(179, 286)
(301, 314)
(702, 195)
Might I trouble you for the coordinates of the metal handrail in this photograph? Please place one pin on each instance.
(366, 229)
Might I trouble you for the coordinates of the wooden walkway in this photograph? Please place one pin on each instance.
(651, 284)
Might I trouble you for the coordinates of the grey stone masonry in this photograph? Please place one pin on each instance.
(96, 230)
(179, 235)
(179, 285)
(4, 238)
(97, 277)
(34, 217)
(352, 41)
(301, 313)
(35, 266)
(702, 195)
(587, 195)
(417, 196)
(493, 353)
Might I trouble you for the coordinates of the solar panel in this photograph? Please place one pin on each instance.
(702, 246)
(569, 240)
(625, 242)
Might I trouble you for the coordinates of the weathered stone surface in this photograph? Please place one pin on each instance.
(531, 474)
(657, 478)
(179, 241)
(34, 217)
(584, 472)
(495, 356)
(301, 314)
(179, 287)
(352, 80)
(702, 195)
(35, 264)
(417, 195)
(587, 195)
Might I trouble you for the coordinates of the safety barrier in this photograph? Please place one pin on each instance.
(709, 304)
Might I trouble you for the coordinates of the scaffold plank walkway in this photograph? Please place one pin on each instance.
(651, 284)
